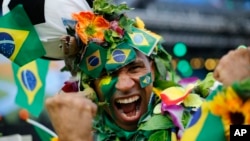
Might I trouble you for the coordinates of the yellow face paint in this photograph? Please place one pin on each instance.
(107, 86)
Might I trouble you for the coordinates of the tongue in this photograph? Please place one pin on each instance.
(127, 108)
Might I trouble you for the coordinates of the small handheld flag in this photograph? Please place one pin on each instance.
(44, 133)
(19, 40)
(30, 80)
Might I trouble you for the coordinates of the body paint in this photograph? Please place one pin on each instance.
(107, 87)
(146, 80)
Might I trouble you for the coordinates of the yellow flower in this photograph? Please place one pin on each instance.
(233, 101)
(90, 26)
(246, 111)
(230, 107)
(139, 23)
(218, 105)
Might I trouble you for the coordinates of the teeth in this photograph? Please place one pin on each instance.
(128, 100)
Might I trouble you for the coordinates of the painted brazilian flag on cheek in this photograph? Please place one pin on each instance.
(107, 86)
(30, 80)
(18, 38)
(146, 80)
(120, 56)
(94, 60)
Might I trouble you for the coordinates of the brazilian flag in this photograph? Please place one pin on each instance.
(94, 60)
(44, 136)
(30, 80)
(120, 56)
(19, 40)
(142, 40)
(204, 126)
(145, 80)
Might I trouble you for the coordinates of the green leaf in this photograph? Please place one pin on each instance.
(203, 87)
(162, 135)
(161, 68)
(103, 7)
(163, 63)
(157, 122)
(126, 23)
(186, 117)
(192, 100)
(242, 88)
(163, 84)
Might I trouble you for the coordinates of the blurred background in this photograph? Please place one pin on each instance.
(196, 33)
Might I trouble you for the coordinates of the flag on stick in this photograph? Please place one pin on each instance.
(30, 80)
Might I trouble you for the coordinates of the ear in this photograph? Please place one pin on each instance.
(152, 67)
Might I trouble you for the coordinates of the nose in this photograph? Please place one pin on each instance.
(125, 82)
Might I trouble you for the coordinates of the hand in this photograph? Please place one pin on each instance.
(71, 115)
(69, 45)
(234, 66)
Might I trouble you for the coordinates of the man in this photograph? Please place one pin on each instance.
(123, 92)
(128, 101)
(118, 62)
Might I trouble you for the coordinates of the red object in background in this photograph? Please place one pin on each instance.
(70, 86)
(23, 114)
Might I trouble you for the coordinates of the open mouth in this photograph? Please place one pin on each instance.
(129, 107)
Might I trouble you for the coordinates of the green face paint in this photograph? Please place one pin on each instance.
(146, 80)
(107, 86)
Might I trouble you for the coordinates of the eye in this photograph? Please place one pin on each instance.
(136, 68)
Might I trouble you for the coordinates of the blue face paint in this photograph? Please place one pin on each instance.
(107, 87)
(146, 80)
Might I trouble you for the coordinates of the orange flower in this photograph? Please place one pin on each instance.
(90, 26)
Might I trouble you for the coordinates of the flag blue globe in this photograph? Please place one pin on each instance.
(119, 56)
(7, 44)
(29, 80)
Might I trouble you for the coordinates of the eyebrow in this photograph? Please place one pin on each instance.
(137, 61)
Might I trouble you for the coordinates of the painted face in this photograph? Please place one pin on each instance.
(128, 98)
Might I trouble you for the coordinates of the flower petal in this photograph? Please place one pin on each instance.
(174, 95)
(176, 112)
(100, 22)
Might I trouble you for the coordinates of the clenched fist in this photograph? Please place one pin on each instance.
(71, 115)
(234, 66)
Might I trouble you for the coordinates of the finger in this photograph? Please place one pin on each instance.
(89, 106)
(81, 101)
(50, 102)
(216, 74)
